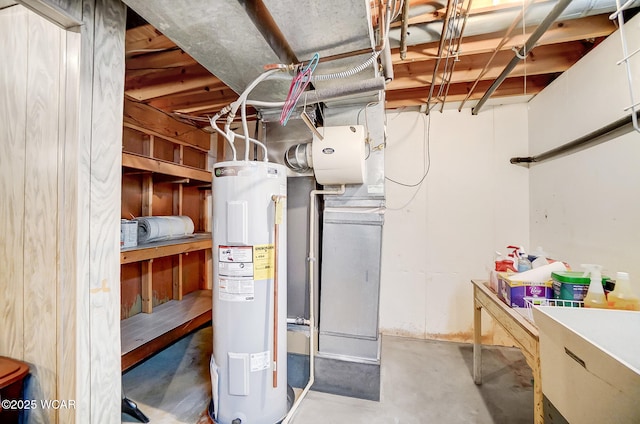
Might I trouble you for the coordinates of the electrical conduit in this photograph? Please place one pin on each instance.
(311, 259)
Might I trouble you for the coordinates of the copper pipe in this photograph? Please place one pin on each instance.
(277, 202)
(458, 44)
(267, 26)
(405, 29)
(275, 303)
(440, 46)
(381, 23)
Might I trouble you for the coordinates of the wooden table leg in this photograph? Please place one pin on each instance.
(477, 347)
(538, 409)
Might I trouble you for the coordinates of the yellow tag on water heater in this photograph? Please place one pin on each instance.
(263, 262)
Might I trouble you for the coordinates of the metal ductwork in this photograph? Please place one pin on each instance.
(234, 40)
(498, 21)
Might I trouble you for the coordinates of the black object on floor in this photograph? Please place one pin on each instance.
(131, 408)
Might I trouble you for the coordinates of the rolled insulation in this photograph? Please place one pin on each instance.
(157, 228)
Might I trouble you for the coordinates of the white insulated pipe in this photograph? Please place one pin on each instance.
(298, 321)
(330, 93)
(311, 259)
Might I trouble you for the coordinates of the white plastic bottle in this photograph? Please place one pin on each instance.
(524, 264)
(622, 296)
(595, 297)
(541, 258)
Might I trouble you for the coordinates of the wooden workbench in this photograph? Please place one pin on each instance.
(523, 332)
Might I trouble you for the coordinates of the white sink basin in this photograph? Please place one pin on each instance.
(590, 363)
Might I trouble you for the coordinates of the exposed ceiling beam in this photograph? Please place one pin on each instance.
(170, 81)
(145, 39)
(164, 77)
(165, 59)
(457, 92)
(478, 7)
(542, 60)
(560, 32)
(148, 117)
(548, 21)
(195, 101)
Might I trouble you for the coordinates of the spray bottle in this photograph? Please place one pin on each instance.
(595, 297)
(524, 264)
(622, 296)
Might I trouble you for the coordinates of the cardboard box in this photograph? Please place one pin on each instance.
(513, 292)
(128, 233)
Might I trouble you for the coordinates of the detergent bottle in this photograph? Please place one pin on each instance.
(540, 258)
(622, 296)
(595, 297)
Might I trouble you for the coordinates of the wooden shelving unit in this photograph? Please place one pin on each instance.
(145, 334)
(159, 249)
(163, 167)
(166, 285)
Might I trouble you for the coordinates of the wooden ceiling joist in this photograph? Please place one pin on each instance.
(457, 92)
(167, 59)
(161, 77)
(194, 103)
(542, 60)
(148, 117)
(145, 39)
(437, 10)
(170, 81)
(561, 32)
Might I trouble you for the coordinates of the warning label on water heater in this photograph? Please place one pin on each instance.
(260, 361)
(235, 261)
(235, 274)
(236, 290)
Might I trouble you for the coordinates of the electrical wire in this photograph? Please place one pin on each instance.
(350, 72)
(298, 85)
(427, 163)
(366, 127)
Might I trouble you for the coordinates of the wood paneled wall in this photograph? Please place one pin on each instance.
(60, 158)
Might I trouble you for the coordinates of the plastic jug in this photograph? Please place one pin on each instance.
(622, 296)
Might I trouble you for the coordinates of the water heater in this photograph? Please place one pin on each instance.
(249, 361)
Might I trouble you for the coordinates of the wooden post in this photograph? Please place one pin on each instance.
(477, 346)
(147, 195)
(177, 277)
(147, 286)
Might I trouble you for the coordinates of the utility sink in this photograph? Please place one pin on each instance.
(590, 363)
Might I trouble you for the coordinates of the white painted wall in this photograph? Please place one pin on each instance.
(585, 206)
(440, 235)
(581, 208)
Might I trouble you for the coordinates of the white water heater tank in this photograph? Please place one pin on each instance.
(249, 361)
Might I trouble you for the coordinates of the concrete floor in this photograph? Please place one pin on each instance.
(422, 382)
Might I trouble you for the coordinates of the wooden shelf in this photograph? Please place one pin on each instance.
(158, 249)
(142, 335)
(164, 175)
(144, 163)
